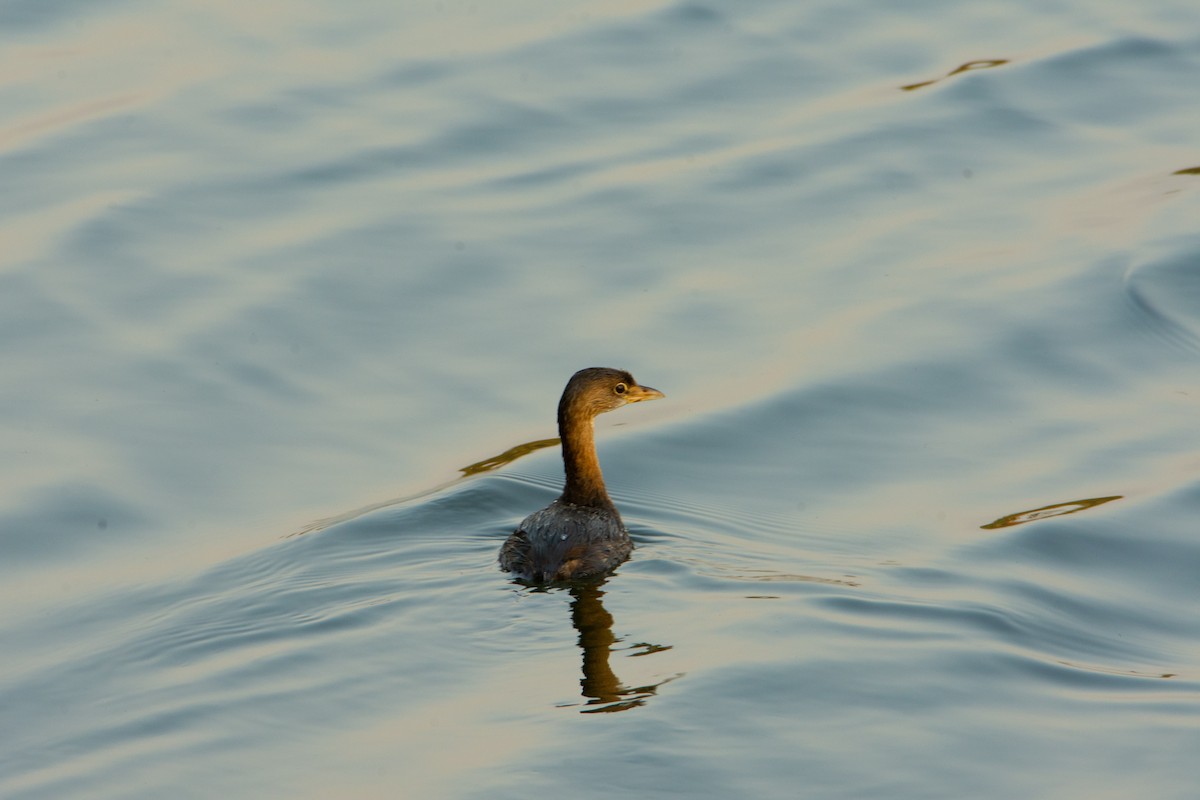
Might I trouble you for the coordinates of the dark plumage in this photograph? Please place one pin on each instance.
(580, 533)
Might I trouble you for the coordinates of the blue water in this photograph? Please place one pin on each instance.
(916, 519)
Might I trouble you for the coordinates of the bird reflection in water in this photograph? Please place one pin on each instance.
(601, 687)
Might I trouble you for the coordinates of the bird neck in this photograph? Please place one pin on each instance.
(585, 483)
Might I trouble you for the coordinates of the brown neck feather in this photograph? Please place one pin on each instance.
(585, 483)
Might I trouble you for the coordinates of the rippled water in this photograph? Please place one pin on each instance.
(288, 293)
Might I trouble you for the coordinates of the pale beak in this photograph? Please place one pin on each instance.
(636, 394)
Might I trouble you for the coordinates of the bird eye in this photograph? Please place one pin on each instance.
(620, 388)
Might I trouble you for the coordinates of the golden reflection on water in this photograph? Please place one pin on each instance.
(1133, 673)
(486, 465)
(604, 691)
(64, 118)
(771, 576)
(1056, 510)
(967, 67)
(509, 455)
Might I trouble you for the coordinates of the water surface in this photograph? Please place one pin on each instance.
(916, 519)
